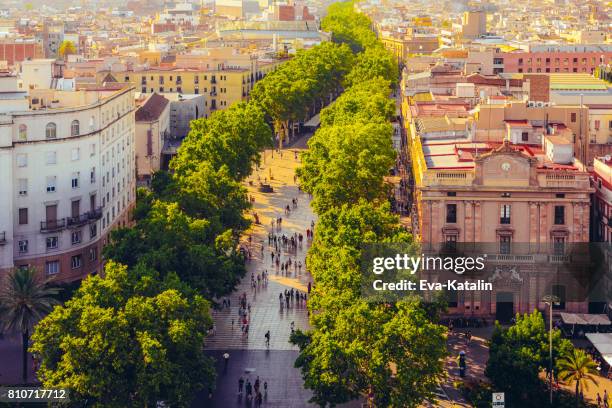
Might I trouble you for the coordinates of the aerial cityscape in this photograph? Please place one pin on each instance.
(306, 203)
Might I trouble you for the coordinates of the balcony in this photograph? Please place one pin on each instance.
(95, 214)
(52, 225)
(78, 221)
(3, 238)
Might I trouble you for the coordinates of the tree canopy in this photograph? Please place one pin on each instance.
(390, 352)
(131, 338)
(517, 355)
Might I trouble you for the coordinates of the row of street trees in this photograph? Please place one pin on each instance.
(388, 352)
(136, 335)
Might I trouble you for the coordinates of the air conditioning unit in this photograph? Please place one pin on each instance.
(531, 104)
(540, 104)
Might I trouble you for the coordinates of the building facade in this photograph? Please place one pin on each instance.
(602, 200)
(68, 179)
(221, 87)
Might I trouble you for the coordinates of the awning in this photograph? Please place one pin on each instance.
(314, 121)
(603, 343)
(585, 319)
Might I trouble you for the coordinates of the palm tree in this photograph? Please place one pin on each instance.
(578, 367)
(24, 300)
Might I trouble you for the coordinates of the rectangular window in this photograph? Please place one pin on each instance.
(92, 149)
(597, 124)
(75, 237)
(573, 117)
(525, 137)
(92, 175)
(52, 242)
(23, 186)
(51, 184)
(505, 244)
(22, 160)
(451, 213)
(75, 179)
(93, 254)
(23, 216)
(559, 214)
(51, 158)
(75, 208)
(451, 242)
(559, 245)
(52, 267)
(505, 214)
(75, 154)
(76, 261)
(93, 230)
(23, 246)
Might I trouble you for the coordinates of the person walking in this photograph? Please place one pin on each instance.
(249, 390)
(267, 335)
(240, 385)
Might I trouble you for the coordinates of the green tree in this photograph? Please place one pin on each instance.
(349, 27)
(130, 338)
(365, 102)
(374, 62)
(518, 354)
(66, 48)
(393, 353)
(233, 137)
(578, 367)
(168, 240)
(346, 163)
(284, 97)
(25, 299)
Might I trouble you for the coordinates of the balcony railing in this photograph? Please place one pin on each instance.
(95, 214)
(85, 218)
(78, 221)
(52, 225)
(3, 238)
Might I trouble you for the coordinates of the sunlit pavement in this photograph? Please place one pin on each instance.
(249, 355)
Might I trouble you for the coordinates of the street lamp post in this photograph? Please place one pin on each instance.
(550, 300)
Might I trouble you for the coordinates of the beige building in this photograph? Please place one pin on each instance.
(152, 129)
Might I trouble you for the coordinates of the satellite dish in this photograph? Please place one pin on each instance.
(608, 157)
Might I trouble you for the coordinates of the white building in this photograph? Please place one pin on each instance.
(67, 169)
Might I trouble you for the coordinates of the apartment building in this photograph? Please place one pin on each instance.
(221, 87)
(602, 199)
(67, 165)
(554, 59)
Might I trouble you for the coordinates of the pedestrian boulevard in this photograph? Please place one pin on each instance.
(266, 313)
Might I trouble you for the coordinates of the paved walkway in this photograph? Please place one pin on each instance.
(249, 355)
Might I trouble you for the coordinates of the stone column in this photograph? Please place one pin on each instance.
(469, 221)
(543, 225)
(533, 225)
(478, 221)
(436, 226)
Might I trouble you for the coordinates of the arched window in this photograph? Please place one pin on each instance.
(74, 128)
(23, 132)
(51, 130)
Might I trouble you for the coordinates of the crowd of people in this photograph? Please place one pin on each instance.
(284, 255)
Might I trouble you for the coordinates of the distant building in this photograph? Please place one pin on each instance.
(602, 199)
(473, 24)
(152, 129)
(15, 50)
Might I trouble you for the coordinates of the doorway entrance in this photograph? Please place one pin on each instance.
(504, 312)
